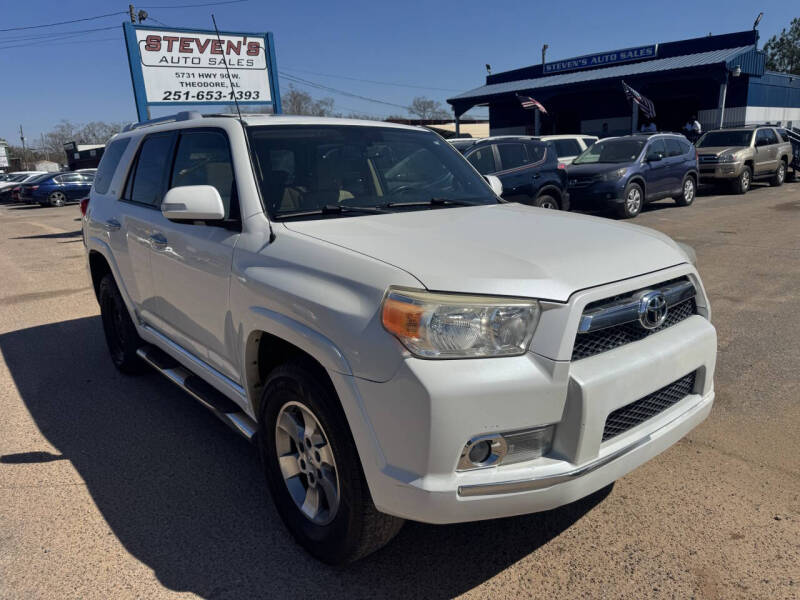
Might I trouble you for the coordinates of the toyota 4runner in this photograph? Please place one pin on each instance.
(739, 156)
(398, 341)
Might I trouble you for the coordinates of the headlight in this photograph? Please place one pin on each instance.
(458, 326)
(727, 158)
(612, 175)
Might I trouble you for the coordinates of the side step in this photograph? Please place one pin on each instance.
(223, 407)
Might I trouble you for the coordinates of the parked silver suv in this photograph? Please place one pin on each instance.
(399, 342)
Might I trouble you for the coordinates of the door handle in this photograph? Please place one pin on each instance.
(157, 241)
(111, 225)
(536, 176)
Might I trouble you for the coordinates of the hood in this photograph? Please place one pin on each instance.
(502, 249)
(717, 150)
(574, 170)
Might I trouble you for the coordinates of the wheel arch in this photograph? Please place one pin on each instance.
(550, 190)
(639, 180)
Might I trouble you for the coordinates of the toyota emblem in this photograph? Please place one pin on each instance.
(652, 309)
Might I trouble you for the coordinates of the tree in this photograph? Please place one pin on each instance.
(297, 102)
(783, 51)
(94, 132)
(427, 109)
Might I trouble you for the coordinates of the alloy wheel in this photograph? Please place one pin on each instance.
(57, 199)
(307, 464)
(688, 191)
(548, 204)
(745, 180)
(633, 201)
(781, 173)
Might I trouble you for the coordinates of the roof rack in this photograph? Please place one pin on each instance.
(186, 115)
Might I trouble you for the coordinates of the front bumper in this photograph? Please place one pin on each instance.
(411, 429)
(720, 171)
(597, 195)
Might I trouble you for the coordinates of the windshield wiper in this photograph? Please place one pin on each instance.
(432, 202)
(332, 209)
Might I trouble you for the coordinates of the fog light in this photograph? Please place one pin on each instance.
(506, 448)
(480, 452)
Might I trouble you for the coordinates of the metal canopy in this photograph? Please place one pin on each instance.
(750, 60)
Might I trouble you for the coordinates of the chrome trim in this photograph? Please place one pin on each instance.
(626, 310)
(499, 450)
(545, 481)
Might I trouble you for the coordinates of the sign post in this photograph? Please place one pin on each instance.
(182, 66)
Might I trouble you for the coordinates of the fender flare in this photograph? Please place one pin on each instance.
(95, 244)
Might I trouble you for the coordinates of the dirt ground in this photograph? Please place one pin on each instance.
(117, 487)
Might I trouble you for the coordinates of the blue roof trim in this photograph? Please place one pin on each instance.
(748, 58)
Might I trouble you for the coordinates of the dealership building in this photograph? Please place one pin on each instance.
(722, 79)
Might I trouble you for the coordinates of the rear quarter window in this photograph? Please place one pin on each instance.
(108, 165)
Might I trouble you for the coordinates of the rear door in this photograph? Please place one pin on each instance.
(676, 163)
(191, 261)
(656, 172)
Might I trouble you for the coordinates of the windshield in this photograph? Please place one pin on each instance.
(611, 151)
(314, 168)
(719, 139)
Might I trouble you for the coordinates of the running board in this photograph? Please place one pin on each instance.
(223, 407)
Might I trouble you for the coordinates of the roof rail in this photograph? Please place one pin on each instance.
(186, 115)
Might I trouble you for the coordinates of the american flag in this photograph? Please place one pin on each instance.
(529, 103)
(648, 109)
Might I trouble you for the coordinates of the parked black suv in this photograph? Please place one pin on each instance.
(625, 173)
(528, 168)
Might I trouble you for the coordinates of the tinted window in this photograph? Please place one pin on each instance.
(657, 147)
(512, 155)
(567, 147)
(674, 147)
(588, 141)
(771, 137)
(618, 150)
(203, 158)
(536, 151)
(725, 138)
(483, 160)
(108, 165)
(304, 169)
(70, 178)
(148, 181)
(687, 146)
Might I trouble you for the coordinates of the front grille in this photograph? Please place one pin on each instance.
(595, 342)
(580, 182)
(708, 158)
(631, 415)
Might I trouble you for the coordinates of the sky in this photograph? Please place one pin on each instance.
(433, 48)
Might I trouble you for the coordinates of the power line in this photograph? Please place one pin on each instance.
(406, 85)
(70, 33)
(319, 86)
(122, 12)
(196, 5)
(57, 43)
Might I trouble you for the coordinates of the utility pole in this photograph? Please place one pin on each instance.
(132, 12)
(24, 153)
(544, 53)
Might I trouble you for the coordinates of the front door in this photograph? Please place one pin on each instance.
(191, 262)
(657, 170)
(766, 152)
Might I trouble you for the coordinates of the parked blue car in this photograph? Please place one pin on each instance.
(56, 189)
(625, 173)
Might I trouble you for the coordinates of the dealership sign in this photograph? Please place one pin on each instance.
(591, 61)
(181, 66)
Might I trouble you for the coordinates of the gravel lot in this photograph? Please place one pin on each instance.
(116, 487)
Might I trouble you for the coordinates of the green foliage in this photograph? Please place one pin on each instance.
(783, 51)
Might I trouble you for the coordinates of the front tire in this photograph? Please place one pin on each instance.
(120, 332)
(688, 192)
(780, 174)
(313, 469)
(633, 199)
(742, 183)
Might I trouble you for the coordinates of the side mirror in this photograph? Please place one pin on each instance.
(495, 183)
(193, 203)
(654, 157)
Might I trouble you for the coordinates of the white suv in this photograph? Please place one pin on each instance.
(398, 341)
(569, 147)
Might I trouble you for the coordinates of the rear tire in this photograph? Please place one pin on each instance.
(688, 192)
(57, 199)
(780, 174)
(547, 201)
(632, 201)
(120, 332)
(335, 531)
(741, 184)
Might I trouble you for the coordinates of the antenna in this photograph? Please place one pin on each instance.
(227, 70)
(244, 128)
